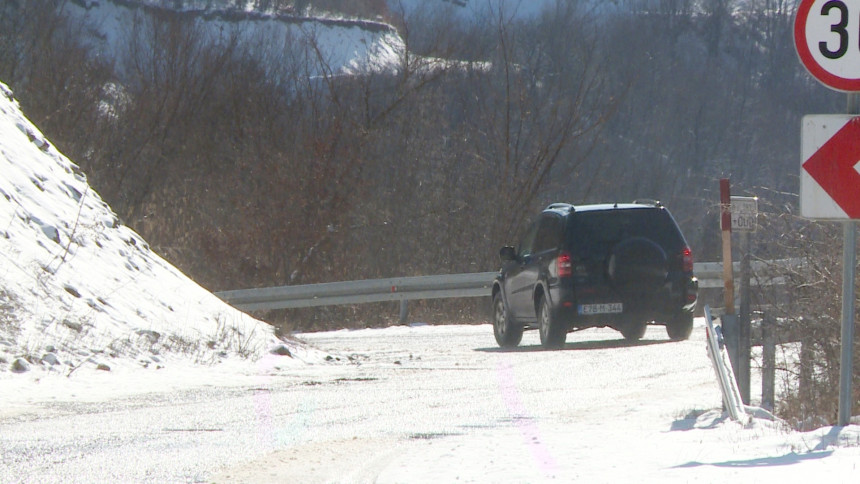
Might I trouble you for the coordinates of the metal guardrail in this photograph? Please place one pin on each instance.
(356, 292)
(765, 273)
(431, 287)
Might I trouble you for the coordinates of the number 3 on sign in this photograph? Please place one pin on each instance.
(839, 28)
(827, 38)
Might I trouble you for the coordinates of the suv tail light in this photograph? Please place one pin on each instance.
(564, 264)
(687, 260)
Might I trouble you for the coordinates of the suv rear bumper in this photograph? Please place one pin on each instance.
(661, 306)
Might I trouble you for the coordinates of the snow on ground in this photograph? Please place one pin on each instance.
(80, 291)
(598, 411)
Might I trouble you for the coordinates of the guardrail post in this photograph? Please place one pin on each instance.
(404, 311)
(768, 363)
(731, 335)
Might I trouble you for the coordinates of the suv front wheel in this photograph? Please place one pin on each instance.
(552, 334)
(507, 333)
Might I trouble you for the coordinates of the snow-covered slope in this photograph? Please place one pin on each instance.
(77, 288)
(472, 8)
(480, 9)
(344, 46)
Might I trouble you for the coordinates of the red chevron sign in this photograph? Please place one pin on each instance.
(830, 183)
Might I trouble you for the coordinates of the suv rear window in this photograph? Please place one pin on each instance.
(592, 233)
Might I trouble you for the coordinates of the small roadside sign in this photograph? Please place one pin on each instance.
(744, 212)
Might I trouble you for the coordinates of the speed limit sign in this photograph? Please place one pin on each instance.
(827, 38)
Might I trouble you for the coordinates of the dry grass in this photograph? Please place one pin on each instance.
(10, 326)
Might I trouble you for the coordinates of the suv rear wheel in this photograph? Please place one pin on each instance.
(680, 327)
(633, 330)
(507, 333)
(552, 334)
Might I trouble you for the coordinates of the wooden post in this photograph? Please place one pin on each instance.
(729, 319)
(726, 226)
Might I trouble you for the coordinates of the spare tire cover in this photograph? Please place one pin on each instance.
(637, 264)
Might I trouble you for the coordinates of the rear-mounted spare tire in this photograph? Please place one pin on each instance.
(637, 266)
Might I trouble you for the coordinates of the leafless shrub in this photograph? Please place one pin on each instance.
(808, 308)
(228, 337)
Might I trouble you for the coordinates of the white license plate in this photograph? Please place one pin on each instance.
(607, 308)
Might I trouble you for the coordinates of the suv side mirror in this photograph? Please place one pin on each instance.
(508, 254)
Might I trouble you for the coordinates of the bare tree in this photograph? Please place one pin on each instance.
(539, 104)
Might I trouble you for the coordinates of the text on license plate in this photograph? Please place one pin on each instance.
(606, 308)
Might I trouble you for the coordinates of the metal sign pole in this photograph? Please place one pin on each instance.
(744, 349)
(849, 260)
(847, 361)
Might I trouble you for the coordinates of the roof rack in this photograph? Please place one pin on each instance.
(648, 201)
(560, 206)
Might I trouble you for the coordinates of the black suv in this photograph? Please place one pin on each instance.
(585, 266)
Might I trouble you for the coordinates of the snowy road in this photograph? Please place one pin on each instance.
(427, 404)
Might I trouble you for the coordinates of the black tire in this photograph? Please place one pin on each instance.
(680, 327)
(507, 333)
(634, 330)
(637, 266)
(552, 334)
